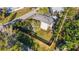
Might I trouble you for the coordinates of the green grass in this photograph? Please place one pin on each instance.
(43, 10)
(23, 11)
(44, 34)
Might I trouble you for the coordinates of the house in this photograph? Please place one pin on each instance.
(52, 10)
(46, 21)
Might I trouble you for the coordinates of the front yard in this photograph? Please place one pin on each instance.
(23, 11)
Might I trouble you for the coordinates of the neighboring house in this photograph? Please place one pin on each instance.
(58, 9)
(54, 9)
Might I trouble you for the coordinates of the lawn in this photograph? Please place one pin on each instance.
(43, 10)
(23, 11)
(40, 46)
(44, 34)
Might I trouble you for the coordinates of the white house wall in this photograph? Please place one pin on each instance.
(44, 26)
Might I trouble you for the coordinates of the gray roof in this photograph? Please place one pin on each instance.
(43, 18)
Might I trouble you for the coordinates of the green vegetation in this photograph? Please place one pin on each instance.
(43, 10)
(24, 35)
(68, 37)
(44, 34)
(9, 43)
(7, 19)
(23, 11)
(39, 32)
(58, 25)
(31, 27)
(4, 18)
(16, 41)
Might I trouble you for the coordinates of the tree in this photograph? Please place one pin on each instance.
(7, 43)
(70, 34)
(26, 40)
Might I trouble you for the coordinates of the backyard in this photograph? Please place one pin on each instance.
(44, 34)
(39, 32)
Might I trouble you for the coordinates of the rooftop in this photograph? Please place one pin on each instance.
(43, 18)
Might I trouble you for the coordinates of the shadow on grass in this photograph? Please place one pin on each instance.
(32, 34)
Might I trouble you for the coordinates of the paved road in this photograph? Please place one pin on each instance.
(22, 18)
